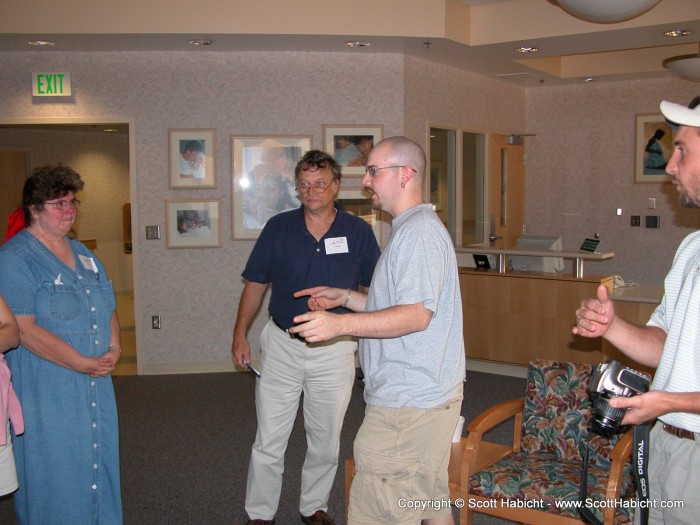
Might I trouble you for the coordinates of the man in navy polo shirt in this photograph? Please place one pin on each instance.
(312, 245)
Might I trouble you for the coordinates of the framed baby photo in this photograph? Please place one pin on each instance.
(653, 148)
(193, 223)
(263, 182)
(192, 158)
(350, 145)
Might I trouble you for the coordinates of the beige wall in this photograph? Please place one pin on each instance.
(582, 156)
(581, 169)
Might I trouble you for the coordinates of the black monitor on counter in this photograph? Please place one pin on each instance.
(531, 263)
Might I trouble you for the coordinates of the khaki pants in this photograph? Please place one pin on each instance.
(325, 374)
(674, 476)
(401, 458)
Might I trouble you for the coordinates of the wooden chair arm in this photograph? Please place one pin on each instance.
(495, 415)
(619, 456)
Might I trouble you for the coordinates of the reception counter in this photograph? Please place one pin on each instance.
(514, 317)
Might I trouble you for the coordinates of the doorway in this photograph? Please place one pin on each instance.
(101, 151)
(477, 186)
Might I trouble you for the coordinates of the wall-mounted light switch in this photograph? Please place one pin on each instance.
(152, 232)
(652, 203)
(653, 221)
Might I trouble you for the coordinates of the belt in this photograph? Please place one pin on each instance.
(679, 432)
(286, 331)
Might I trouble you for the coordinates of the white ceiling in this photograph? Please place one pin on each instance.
(570, 49)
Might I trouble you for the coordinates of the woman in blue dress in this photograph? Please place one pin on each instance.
(68, 457)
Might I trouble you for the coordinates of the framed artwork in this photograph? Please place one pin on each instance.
(263, 179)
(356, 201)
(192, 158)
(193, 223)
(653, 148)
(350, 145)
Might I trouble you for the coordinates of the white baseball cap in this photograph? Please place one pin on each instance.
(682, 115)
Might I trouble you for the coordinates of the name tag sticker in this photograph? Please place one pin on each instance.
(88, 263)
(336, 245)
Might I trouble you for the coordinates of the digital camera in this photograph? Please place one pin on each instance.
(611, 379)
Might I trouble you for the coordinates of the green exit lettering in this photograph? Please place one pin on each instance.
(51, 84)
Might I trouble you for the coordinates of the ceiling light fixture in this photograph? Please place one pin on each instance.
(678, 32)
(41, 43)
(357, 43)
(589, 79)
(685, 66)
(605, 11)
(526, 49)
(200, 42)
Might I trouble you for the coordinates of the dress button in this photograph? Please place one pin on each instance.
(94, 487)
(87, 292)
(94, 404)
(92, 309)
(94, 425)
(94, 327)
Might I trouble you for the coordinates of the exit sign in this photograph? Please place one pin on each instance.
(51, 85)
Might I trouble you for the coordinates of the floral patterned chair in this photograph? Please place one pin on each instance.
(528, 481)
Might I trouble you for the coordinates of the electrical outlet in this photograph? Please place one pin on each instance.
(155, 322)
(635, 220)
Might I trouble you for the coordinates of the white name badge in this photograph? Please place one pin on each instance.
(88, 263)
(336, 245)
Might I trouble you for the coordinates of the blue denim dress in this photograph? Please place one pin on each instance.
(68, 457)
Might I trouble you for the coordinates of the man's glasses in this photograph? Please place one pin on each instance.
(64, 205)
(373, 170)
(318, 186)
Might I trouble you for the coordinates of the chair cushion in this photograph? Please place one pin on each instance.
(556, 414)
(543, 477)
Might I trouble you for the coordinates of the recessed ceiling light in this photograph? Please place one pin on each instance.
(678, 32)
(357, 43)
(200, 42)
(589, 79)
(40, 43)
(110, 130)
(526, 49)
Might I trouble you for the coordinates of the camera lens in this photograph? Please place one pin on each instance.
(606, 419)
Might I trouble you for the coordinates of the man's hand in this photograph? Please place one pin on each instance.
(323, 297)
(240, 350)
(595, 316)
(318, 326)
(643, 407)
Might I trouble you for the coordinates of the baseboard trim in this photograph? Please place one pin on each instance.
(207, 367)
(501, 369)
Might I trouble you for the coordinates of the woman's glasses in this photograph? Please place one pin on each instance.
(64, 205)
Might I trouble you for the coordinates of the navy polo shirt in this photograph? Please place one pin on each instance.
(291, 259)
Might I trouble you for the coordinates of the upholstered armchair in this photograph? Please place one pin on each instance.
(528, 481)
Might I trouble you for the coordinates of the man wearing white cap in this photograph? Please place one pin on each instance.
(670, 342)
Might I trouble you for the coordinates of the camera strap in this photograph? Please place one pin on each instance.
(640, 460)
(640, 455)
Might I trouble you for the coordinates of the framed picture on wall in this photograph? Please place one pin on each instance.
(350, 145)
(653, 148)
(192, 158)
(263, 179)
(356, 201)
(193, 223)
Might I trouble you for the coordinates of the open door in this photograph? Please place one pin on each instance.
(14, 170)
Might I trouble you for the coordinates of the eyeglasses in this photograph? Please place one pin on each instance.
(372, 170)
(318, 186)
(64, 205)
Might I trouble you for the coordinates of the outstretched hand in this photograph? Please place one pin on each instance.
(323, 297)
(595, 316)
